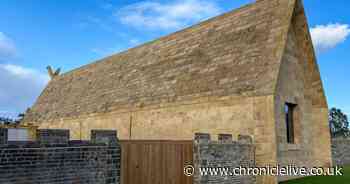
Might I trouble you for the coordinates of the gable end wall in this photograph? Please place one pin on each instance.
(312, 141)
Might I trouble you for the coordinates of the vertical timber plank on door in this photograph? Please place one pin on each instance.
(155, 162)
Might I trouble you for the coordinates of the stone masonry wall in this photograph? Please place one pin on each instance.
(341, 152)
(311, 147)
(236, 115)
(51, 162)
(223, 153)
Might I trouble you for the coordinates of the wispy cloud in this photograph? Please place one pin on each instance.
(20, 87)
(326, 37)
(7, 47)
(93, 21)
(103, 52)
(9, 114)
(134, 41)
(22, 72)
(174, 15)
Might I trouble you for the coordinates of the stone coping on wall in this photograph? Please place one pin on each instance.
(60, 138)
(222, 138)
(33, 144)
(341, 139)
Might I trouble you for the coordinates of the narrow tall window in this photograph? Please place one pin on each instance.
(289, 111)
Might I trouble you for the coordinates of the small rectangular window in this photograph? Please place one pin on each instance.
(289, 111)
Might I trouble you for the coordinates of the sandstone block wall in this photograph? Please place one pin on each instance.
(292, 89)
(177, 121)
(51, 163)
(299, 83)
(223, 153)
(341, 152)
(252, 116)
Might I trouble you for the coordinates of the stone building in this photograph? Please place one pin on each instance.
(250, 71)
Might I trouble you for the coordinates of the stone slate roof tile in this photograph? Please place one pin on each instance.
(237, 53)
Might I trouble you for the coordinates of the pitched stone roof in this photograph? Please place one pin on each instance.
(237, 53)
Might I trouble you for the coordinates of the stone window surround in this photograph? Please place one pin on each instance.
(297, 129)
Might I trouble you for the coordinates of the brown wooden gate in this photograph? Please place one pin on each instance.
(155, 162)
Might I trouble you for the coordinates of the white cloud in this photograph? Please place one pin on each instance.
(9, 114)
(134, 41)
(7, 47)
(19, 88)
(326, 37)
(174, 15)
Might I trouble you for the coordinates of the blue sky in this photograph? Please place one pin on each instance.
(69, 34)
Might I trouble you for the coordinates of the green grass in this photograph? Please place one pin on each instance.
(345, 179)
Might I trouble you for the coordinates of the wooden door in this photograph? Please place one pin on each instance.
(155, 162)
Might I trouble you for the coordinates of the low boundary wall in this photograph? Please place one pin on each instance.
(341, 151)
(53, 159)
(224, 153)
